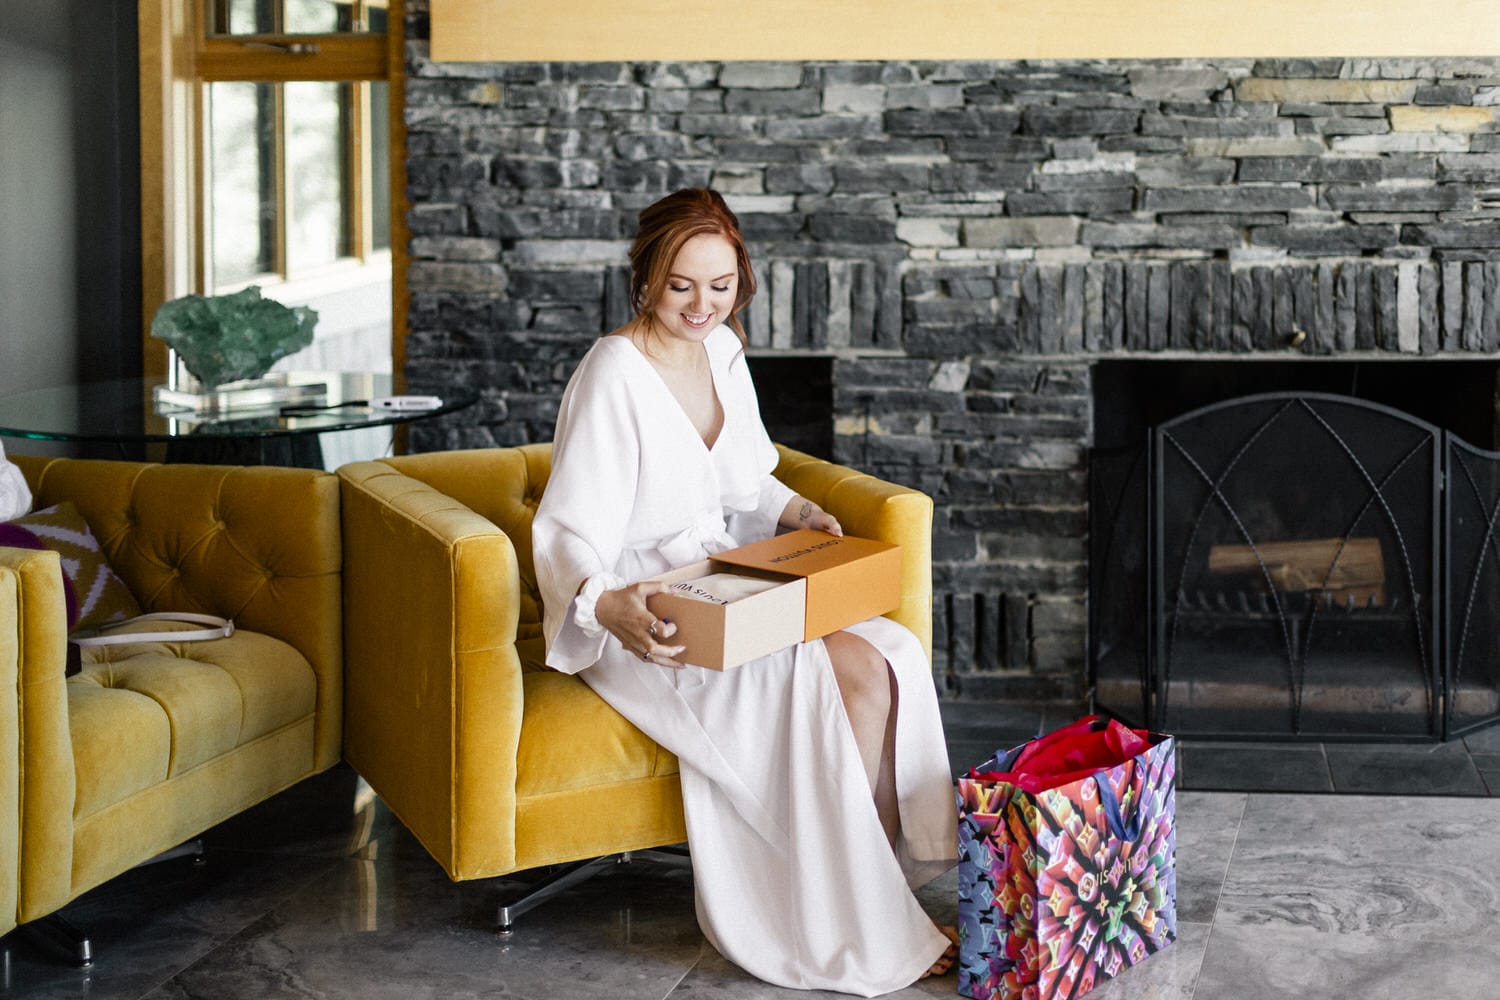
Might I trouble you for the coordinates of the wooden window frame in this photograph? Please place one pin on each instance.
(356, 237)
(176, 58)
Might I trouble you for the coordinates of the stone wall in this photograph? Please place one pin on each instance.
(963, 239)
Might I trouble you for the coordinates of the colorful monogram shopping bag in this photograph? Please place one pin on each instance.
(1067, 862)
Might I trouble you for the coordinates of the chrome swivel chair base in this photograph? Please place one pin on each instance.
(565, 876)
(57, 933)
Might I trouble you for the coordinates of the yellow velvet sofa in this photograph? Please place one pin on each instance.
(152, 743)
(493, 762)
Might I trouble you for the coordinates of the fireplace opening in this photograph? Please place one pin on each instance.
(796, 400)
(1276, 556)
(1130, 397)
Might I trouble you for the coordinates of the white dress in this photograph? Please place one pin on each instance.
(793, 876)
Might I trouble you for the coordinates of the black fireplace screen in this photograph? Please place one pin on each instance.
(1293, 565)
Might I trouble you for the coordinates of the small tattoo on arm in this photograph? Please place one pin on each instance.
(807, 510)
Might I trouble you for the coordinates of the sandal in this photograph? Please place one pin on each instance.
(948, 958)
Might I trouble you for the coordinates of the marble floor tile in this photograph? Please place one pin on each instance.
(332, 814)
(1208, 824)
(391, 926)
(1489, 770)
(150, 922)
(1170, 974)
(319, 893)
(1366, 897)
(715, 978)
(1484, 741)
(1411, 769)
(1254, 767)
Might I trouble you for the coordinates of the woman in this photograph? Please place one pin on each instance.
(806, 775)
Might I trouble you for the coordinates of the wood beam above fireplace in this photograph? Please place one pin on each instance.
(649, 30)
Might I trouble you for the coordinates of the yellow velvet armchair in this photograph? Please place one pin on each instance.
(152, 743)
(493, 762)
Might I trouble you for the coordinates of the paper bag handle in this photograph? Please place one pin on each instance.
(1110, 802)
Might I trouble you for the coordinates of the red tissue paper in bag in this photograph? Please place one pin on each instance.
(1069, 754)
(1067, 861)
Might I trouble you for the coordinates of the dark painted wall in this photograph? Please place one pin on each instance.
(70, 276)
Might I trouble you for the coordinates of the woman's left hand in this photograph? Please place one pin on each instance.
(824, 521)
(803, 513)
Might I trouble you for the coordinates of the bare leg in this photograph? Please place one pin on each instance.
(868, 689)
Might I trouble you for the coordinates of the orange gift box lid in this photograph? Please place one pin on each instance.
(848, 579)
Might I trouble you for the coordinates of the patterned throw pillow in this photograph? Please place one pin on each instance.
(95, 595)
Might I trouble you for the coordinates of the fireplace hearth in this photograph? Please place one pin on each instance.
(1297, 565)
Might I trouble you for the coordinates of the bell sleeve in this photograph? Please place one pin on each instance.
(579, 529)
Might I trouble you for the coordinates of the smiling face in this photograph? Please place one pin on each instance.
(700, 289)
(688, 244)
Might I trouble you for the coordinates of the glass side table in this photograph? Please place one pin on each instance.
(126, 412)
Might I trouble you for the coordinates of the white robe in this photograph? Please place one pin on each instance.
(793, 876)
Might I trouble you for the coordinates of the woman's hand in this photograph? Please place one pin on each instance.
(624, 614)
(803, 513)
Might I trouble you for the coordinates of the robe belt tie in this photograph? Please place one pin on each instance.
(704, 537)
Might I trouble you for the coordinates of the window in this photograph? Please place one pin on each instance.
(266, 161)
(270, 17)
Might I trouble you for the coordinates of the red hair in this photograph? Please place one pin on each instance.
(665, 226)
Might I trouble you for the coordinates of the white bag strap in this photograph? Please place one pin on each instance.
(220, 628)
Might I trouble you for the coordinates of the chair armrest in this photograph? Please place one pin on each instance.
(259, 544)
(868, 507)
(37, 783)
(433, 694)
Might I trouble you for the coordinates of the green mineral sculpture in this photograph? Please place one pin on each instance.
(227, 338)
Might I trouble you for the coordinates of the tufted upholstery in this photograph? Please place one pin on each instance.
(152, 743)
(493, 762)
